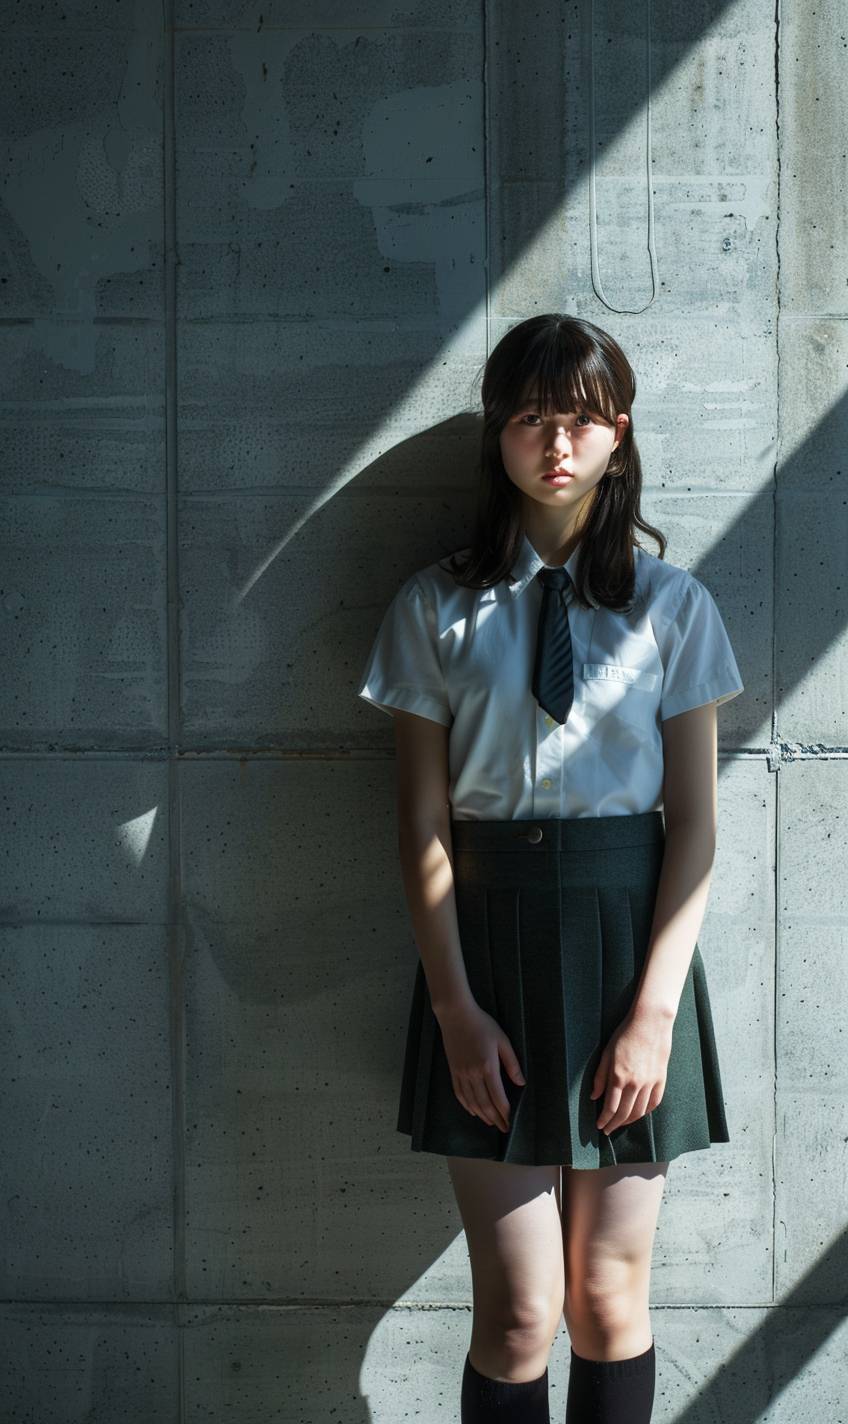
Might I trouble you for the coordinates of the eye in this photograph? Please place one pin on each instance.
(532, 416)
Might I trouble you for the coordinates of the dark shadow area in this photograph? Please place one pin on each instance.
(408, 1232)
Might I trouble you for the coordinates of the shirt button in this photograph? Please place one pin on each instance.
(546, 781)
(548, 718)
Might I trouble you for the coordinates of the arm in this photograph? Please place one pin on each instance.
(474, 1043)
(690, 809)
(426, 857)
(631, 1073)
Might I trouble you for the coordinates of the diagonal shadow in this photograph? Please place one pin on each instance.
(523, 153)
(777, 1351)
(740, 563)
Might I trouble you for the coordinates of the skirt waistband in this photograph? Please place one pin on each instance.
(576, 833)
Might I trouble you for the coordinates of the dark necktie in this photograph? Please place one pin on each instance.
(553, 678)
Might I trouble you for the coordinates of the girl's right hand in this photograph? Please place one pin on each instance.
(475, 1044)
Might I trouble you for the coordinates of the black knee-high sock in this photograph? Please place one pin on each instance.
(611, 1391)
(490, 1401)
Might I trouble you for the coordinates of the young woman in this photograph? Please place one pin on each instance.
(554, 688)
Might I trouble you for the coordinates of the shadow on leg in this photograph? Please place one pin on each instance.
(609, 1222)
(513, 1229)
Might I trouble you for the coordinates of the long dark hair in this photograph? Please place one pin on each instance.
(559, 354)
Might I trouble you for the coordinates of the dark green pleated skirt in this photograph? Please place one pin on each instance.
(554, 929)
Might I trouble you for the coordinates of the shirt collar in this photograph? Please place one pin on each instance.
(528, 564)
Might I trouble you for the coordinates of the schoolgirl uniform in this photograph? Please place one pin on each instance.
(558, 838)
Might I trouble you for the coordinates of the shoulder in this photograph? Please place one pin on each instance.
(662, 587)
(435, 582)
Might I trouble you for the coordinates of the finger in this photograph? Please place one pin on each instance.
(498, 1097)
(466, 1100)
(637, 1109)
(486, 1106)
(470, 1097)
(510, 1062)
(642, 1104)
(612, 1098)
(622, 1113)
(482, 1101)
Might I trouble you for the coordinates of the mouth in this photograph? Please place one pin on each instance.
(558, 477)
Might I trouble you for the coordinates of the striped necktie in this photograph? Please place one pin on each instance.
(553, 677)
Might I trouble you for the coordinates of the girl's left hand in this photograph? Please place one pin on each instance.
(632, 1070)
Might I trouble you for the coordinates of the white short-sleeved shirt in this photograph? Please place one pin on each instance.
(464, 657)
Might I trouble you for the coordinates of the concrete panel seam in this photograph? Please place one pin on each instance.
(782, 752)
(176, 940)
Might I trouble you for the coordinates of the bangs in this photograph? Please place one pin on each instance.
(562, 386)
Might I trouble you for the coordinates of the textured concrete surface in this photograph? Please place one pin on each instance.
(255, 257)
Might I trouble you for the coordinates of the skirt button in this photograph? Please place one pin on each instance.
(535, 834)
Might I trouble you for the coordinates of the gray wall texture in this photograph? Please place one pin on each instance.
(253, 259)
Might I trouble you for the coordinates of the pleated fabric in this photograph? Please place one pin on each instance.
(554, 929)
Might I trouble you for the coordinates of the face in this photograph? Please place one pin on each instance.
(578, 441)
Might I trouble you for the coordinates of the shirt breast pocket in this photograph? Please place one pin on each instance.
(627, 695)
(617, 673)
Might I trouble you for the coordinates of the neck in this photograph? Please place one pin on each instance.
(553, 546)
(554, 534)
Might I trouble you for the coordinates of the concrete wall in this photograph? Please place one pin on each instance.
(253, 260)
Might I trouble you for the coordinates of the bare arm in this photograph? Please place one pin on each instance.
(426, 857)
(690, 808)
(474, 1043)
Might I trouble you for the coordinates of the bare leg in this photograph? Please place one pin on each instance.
(513, 1229)
(609, 1220)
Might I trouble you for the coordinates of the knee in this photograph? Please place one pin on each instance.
(603, 1300)
(519, 1330)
